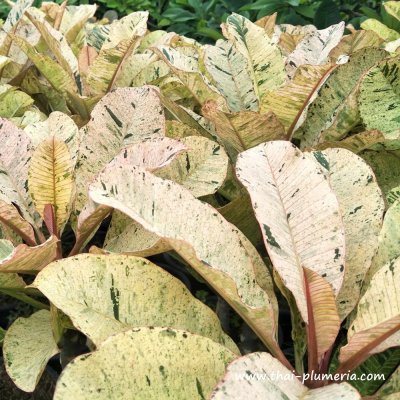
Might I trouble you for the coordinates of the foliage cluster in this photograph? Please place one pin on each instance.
(201, 19)
(265, 164)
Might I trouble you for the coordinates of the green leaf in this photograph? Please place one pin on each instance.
(384, 363)
(28, 346)
(168, 364)
(388, 240)
(327, 14)
(13, 102)
(386, 167)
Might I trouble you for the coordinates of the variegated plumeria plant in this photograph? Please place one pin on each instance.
(188, 147)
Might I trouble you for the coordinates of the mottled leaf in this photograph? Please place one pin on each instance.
(30, 260)
(314, 48)
(379, 100)
(298, 214)
(50, 179)
(259, 376)
(201, 170)
(243, 130)
(127, 292)
(334, 111)
(28, 346)
(212, 246)
(376, 326)
(123, 117)
(229, 70)
(362, 207)
(168, 364)
(264, 58)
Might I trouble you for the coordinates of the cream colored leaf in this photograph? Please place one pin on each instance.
(151, 154)
(187, 70)
(264, 58)
(376, 326)
(122, 37)
(290, 101)
(126, 236)
(229, 70)
(50, 179)
(14, 163)
(28, 346)
(59, 78)
(128, 292)
(243, 130)
(362, 207)
(314, 48)
(30, 260)
(168, 364)
(275, 382)
(123, 117)
(388, 241)
(335, 110)
(4, 61)
(57, 44)
(74, 20)
(212, 246)
(15, 14)
(357, 40)
(10, 217)
(201, 170)
(298, 214)
(57, 125)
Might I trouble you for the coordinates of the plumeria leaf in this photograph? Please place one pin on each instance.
(201, 170)
(30, 260)
(264, 59)
(240, 381)
(243, 130)
(335, 111)
(117, 121)
(298, 214)
(229, 70)
(14, 164)
(181, 365)
(50, 180)
(123, 37)
(213, 247)
(101, 307)
(379, 99)
(28, 346)
(362, 207)
(376, 326)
